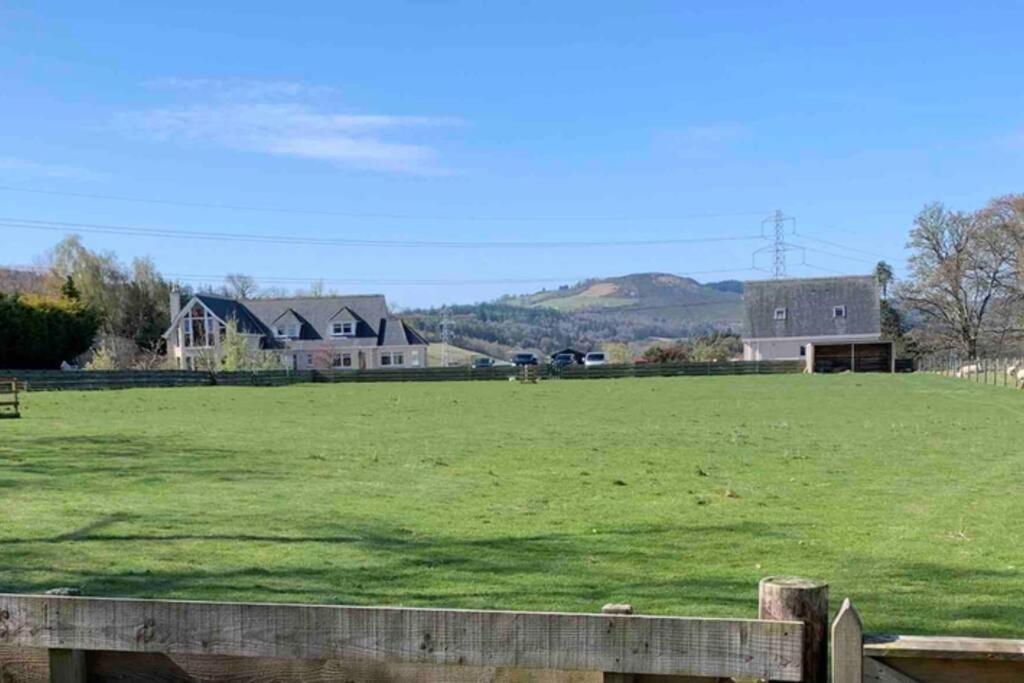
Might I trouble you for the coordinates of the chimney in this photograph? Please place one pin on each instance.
(175, 301)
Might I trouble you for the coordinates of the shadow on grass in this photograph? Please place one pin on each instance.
(382, 565)
(54, 459)
(646, 565)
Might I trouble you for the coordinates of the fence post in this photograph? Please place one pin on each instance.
(610, 677)
(790, 598)
(67, 666)
(847, 646)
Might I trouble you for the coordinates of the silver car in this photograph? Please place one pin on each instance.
(595, 358)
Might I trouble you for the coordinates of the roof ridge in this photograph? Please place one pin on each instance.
(822, 278)
(313, 298)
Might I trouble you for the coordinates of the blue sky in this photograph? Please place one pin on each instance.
(527, 121)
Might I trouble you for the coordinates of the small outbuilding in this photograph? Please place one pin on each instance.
(851, 357)
(837, 315)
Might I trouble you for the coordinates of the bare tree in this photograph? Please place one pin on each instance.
(961, 270)
(239, 286)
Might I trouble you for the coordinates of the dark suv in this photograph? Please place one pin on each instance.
(524, 359)
(481, 363)
(563, 359)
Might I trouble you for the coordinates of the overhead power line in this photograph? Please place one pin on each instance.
(176, 233)
(272, 279)
(386, 216)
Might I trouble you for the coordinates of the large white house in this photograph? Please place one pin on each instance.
(340, 332)
(782, 317)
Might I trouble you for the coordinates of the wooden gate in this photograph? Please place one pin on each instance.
(859, 658)
(75, 639)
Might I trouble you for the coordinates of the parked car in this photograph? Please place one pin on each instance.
(482, 363)
(560, 360)
(524, 359)
(595, 358)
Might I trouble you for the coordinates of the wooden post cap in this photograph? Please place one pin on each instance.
(617, 608)
(793, 598)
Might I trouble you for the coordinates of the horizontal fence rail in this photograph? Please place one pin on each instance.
(83, 634)
(859, 657)
(1007, 372)
(51, 380)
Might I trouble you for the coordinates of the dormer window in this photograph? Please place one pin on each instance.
(286, 331)
(343, 329)
(780, 313)
(839, 311)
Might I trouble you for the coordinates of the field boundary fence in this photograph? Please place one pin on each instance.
(859, 657)
(76, 639)
(52, 380)
(1001, 371)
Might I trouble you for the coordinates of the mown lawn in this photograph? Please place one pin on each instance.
(905, 492)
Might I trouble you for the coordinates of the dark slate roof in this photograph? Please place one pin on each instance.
(317, 312)
(229, 309)
(395, 332)
(808, 303)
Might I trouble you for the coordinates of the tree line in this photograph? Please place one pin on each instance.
(963, 294)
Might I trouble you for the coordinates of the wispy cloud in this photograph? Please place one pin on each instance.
(17, 167)
(240, 88)
(283, 119)
(704, 140)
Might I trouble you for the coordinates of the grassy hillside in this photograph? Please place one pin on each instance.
(631, 308)
(643, 290)
(675, 495)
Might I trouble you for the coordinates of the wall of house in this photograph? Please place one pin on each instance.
(321, 359)
(790, 348)
(774, 349)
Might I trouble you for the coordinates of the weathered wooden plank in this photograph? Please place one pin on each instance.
(24, 664)
(170, 668)
(628, 644)
(943, 647)
(877, 672)
(847, 646)
(67, 666)
(923, 670)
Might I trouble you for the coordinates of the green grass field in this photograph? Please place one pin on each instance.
(675, 494)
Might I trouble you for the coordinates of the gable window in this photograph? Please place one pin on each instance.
(200, 328)
(839, 311)
(286, 331)
(343, 329)
(780, 313)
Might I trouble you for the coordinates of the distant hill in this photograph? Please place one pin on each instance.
(631, 308)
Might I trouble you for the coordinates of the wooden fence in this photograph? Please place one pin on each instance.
(77, 639)
(49, 380)
(1007, 372)
(861, 658)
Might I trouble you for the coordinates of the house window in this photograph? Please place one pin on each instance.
(286, 331)
(344, 329)
(200, 328)
(398, 359)
(803, 351)
(341, 360)
(385, 359)
(780, 313)
(839, 311)
(309, 359)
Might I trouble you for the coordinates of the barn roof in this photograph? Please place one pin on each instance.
(809, 304)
